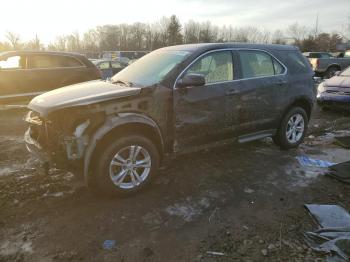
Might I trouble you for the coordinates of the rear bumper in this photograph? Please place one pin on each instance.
(332, 100)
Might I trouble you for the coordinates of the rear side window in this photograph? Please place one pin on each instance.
(320, 55)
(13, 62)
(215, 67)
(116, 65)
(66, 61)
(258, 64)
(103, 65)
(297, 64)
(52, 61)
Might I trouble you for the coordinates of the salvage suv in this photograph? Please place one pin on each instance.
(174, 100)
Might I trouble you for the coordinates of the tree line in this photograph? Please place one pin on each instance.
(169, 31)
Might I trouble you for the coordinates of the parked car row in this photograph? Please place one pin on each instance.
(325, 64)
(25, 74)
(109, 67)
(335, 92)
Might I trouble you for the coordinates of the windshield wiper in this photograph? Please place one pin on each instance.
(129, 84)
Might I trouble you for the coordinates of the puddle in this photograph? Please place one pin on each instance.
(6, 170)
(189, 209)
(9, 248)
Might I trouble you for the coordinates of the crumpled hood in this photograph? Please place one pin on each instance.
(338, 81)
(79, 94)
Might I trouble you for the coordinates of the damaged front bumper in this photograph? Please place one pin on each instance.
(35, 148)
(60, 151)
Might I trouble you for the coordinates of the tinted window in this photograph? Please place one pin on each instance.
(116, 65)
(13, 62)
(103, 65)
(53, 61)
(66, 61)
(215, 67)
(278, 67)
(325, 55)
(257, 63)
(320, 55)
(297, 64)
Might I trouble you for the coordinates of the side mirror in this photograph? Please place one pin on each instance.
(191, 80)
(337, 73)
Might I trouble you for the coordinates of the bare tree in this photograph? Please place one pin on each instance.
(34, 44)
(297, 32)
(278, 37)
(14, 39)
(191, 32)
(59, 44)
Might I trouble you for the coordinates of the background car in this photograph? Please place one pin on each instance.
(327, 66)
(335, 92)
(25, 74)
(318, 55)
(109, 68)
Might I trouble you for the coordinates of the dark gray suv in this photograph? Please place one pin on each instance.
(174, 100)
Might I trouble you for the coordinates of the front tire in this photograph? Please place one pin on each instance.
(125, 165)
(292, 129)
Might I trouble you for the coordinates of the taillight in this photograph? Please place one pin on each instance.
(317, 62)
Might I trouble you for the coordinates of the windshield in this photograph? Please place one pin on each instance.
(346, 72)
(151, 68)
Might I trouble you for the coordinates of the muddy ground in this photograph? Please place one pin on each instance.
(245, 201)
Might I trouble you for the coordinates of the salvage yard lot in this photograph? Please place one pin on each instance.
(245, 201)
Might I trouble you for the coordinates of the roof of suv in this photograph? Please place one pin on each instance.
(210, 46)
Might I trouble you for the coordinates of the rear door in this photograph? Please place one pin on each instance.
(14, 84)
(201, 111)
(263, 84)
(50, 71)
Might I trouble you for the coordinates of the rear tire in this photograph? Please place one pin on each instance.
(125, 166)
(292, 129)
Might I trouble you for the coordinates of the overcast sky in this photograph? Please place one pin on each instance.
(50, 18)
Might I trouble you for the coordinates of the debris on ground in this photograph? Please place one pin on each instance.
(307, 161)
(343, 141)
(214, 253)
(340, 171)
(333, 236)
(109, 244)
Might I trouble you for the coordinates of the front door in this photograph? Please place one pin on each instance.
(201, 111)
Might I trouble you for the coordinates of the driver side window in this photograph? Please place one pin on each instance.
(215, 67)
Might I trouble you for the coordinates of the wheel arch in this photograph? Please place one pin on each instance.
(334, 65)
(117, 125)
(302, 102)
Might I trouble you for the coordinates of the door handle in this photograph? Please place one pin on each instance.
(232, 92)
(281, 82)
